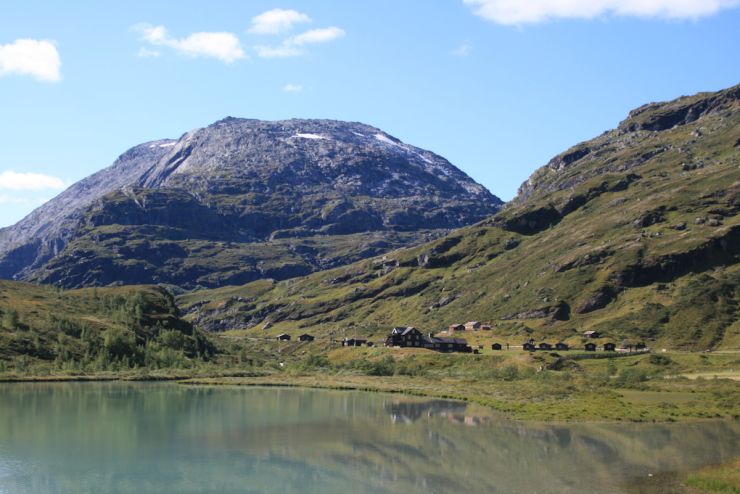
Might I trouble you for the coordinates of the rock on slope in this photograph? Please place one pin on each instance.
(241, 200)
(635, 233)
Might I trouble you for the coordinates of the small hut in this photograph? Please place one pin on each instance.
(561, 346)
(529, 347)
(455, 327)
(283, 337)
(591, 334)
(485, 327)
(305, 337)
(545, 346)
(496, 346)
(590, 347)
(610, 347)
(353, 342)
(472, 325)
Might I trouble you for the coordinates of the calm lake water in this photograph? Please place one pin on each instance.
(167, 438)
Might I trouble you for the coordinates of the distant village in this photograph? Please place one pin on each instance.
(411, 337)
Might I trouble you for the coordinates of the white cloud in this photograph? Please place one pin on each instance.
(281, 51)
(223, 46)
(36, 58)
(518, 12)
(292, 88)
(10, 180)
(315, 36)
(463, 49)
(294, 46)
(277, 21)
(147, 53)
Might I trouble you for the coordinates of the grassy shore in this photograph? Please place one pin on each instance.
(549, 386)
(543, 386)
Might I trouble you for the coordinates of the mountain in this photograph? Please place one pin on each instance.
(635, 234)
(242, 200)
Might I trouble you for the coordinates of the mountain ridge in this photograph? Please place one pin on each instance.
(243, 181)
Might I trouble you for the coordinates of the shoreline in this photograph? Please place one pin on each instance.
(514, 400)
(524, 410)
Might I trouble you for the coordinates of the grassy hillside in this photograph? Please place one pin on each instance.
(106, 329)
(634, 234)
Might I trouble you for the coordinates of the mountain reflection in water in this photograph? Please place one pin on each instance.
(157, 438)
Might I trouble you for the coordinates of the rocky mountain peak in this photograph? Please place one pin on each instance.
(246, 181)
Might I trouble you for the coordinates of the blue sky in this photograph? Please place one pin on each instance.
(498, 87)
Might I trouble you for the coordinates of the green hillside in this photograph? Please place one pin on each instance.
(92, 330)
(634, 234)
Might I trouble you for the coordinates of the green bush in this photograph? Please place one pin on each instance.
(10, 319)
(119, 343)
(631, 377)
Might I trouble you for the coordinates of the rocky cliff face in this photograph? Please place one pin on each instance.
(241, 200)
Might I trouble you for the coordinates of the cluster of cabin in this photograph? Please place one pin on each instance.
(530, 346)
(410, 337)
(468, 326)
(286, 337)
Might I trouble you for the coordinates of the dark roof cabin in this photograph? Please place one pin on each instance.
(485, 327)
(472, 325)
(455, 327)
(496, 346)
(561, 346)
(590, 347)
(305, 337)
(545, 346)
(610, 347)
(529, 347)
(591, 334)
(405, 336)
(447, 344)
(353, 342)
(283, 337)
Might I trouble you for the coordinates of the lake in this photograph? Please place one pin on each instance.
(168, 438)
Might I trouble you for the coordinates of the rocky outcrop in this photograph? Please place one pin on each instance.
(663, 116)
(598, 156)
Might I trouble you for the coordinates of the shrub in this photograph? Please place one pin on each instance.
(631, 377)
(10, 319)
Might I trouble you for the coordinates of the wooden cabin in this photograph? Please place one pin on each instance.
(485, 327)
(405, 336)
(472, 325)
(561, 346)
(305, 337)
(640, 346)
(591, 334)
(283, 337)
(529, 347)
(455, 327)
(496, 346)
(353, 342)
(447, 344)
(590, 347)
(545, 346)
(610, 347)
